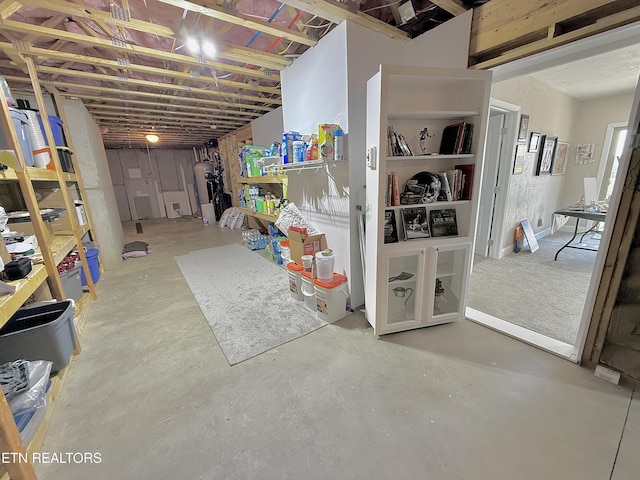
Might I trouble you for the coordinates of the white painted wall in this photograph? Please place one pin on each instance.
(592, 119)
(94, 171)
(159, 172)
(327, 84)
(268, 128)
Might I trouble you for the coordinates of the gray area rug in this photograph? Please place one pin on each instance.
(245, 299)
(534, 291)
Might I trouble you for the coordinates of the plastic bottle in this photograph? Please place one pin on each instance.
(313, 151)
(7, 92)
(338, 147)
(326, 147)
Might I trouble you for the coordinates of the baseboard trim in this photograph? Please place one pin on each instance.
(548, 344)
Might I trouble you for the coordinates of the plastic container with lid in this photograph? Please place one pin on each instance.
(325, 260)
(308, 291)
(331, 298)
(21, 126)
(295, 280)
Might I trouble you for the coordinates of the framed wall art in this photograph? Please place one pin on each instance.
(524, 128)
(518, 164)
(561, 158)
(545, 155)
(534, 142)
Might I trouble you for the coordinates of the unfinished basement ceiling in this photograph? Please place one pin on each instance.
(131, 65)
(129, 62)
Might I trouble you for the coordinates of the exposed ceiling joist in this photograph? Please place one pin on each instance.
(99, 16)
(337, 12)
(128, 48)
(454, 7)
(243, 21)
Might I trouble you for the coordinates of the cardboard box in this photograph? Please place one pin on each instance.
(62, 224)
(301, 243)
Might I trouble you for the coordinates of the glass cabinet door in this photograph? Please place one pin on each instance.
(448, 277)
(404, 286)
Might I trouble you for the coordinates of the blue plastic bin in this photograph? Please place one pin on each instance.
(94, 266)
(56, 128)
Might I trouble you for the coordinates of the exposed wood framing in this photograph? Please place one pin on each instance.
(454, 7)
(621, 240)
(336, 12)
(243, 20)
(504, 31)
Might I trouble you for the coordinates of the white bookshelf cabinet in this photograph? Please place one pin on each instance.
(411, 99)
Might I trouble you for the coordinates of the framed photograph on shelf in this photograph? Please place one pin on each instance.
(524, 128)
(545, 155)
(561, 158)
(415, 223)
(518, 164)
(443, 222)
(534, 142)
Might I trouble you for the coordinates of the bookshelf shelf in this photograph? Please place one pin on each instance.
(431, 239)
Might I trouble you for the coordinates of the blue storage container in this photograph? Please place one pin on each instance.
(21, 126)
(56, 128)
(94, 266)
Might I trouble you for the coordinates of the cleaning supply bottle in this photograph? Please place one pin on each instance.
(313, 149)
(338, 145)
(326, 147)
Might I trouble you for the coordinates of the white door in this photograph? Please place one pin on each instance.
(488, 190)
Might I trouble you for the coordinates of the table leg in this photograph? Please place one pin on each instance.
(575, 233)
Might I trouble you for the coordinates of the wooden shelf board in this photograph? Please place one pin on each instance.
(431, 157)
(265, 179)
(25, 288)
(38, 174)
(432, 115)
(61, 245)
(262, 216)
(82, 309)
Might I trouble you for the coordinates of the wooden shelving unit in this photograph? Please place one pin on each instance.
(52, 248)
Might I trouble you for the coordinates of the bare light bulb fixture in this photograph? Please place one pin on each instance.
(201, 46)
(151, 137)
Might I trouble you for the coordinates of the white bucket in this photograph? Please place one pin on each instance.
(331, 299)
(325, 260)
(308, 291)
(295, 280)
(208, 214)
(285, 253)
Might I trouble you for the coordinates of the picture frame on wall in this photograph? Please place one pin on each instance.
(524, 128)
(518, 164)
(534, 142)
(546, 153)
(561, 158)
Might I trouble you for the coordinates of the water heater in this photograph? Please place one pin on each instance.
(201, 170)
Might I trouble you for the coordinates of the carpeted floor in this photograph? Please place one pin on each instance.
(247, 317)
(534, 291)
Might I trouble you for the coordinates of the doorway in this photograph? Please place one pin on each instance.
(571, 351)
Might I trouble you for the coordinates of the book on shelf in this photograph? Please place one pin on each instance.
(467, 181)
(443, 222)
(415, 223)
(456, 139)
(445, 190)
(390, 227)
(395, 189)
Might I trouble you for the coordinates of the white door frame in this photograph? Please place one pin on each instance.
(602, 43)
(507, 155)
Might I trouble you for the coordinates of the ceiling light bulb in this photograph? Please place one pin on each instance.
(208, 48)
(213, 126)
(152, 138)
(193, 45)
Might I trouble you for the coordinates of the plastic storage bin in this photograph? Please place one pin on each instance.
(71, 283)
(56, 129)
(308, 291)
(21, 126)
(331, 298)
(94, 266)
(64, 154)
(40, 333)
(295, 280)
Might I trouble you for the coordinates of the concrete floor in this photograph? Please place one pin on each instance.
(154, 395)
